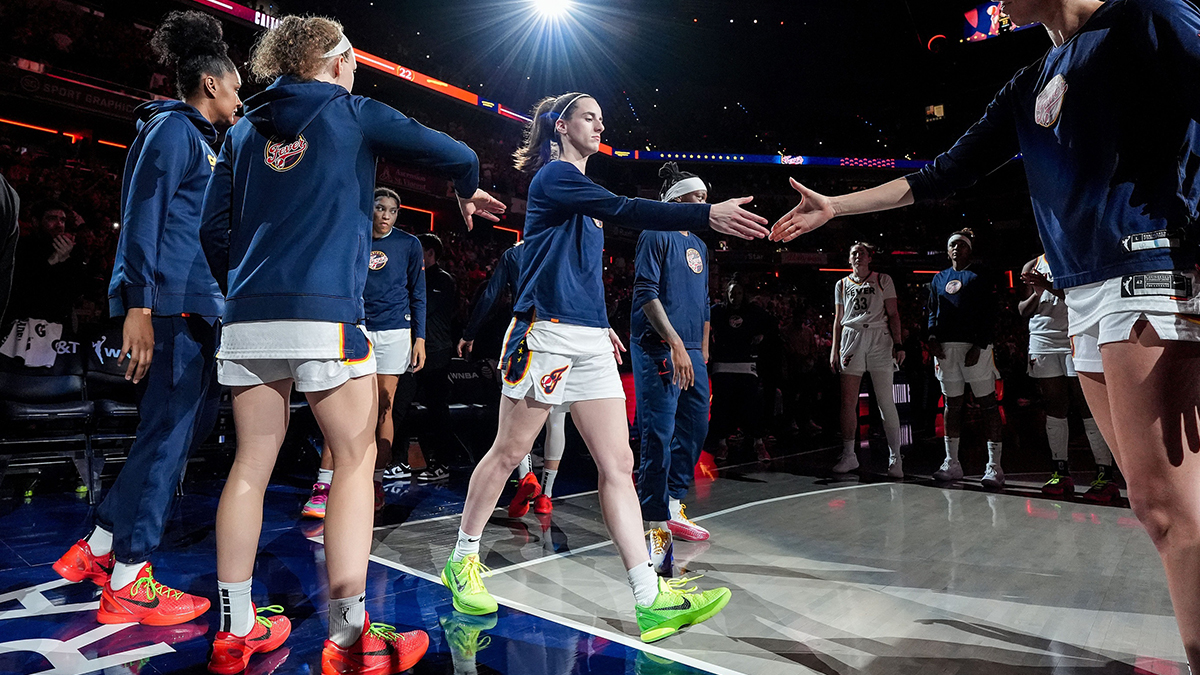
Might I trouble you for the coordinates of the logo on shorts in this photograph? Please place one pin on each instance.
(378, 260)
(1050, 102)
(846, 360)
(550, 380)
(953, 286)
(694, 260)
(282, 156)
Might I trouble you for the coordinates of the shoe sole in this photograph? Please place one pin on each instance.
(410, 660)
(465, 609)
(319, 515)
(151, 620)
(670, 627)
(992, 484)
(686, 536)
(245, 661)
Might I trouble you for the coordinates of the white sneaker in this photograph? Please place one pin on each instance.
(398, 471)
(662, 553)
(993, 477)
(951, 471)
(896, 467)
(846, 464)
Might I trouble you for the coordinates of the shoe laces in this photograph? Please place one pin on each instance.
(1056, 477)
(677, 586)
(317, 500)
(658, 541)
(383, 631)
(274, 609)
(154, 588)
(1100, 482)
(475, 571)
(683, 515)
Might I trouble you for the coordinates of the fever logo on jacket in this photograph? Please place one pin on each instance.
(953, 286)
(281, 155)
(694, 260)
(378, 260)
(1050, 101)
(550, 380)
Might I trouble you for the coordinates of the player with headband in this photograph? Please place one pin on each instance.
(669, 348)
(287, 231)
(561, 351)
(1115, 192)
(869, 341)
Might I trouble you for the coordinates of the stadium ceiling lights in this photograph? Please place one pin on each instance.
(552, 9)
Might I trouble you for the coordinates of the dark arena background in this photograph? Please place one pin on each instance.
(832, 573)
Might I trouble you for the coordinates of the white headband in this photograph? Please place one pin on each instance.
(340, 48)
(683, 187)
(956, 237)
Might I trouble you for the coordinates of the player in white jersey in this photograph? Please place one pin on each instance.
(1052, 365)
(868, 341)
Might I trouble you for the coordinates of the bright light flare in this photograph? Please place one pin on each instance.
(552, 8)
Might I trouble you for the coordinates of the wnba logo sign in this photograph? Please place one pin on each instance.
(283, 156)
(551, 379)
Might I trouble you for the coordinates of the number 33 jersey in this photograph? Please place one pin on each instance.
(862, 300)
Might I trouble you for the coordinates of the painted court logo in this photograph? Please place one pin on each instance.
(550, 380)
(378, 260)
(694, 260)
(283, 156)
(1050, 101)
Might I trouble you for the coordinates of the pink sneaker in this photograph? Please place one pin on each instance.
(682, 527)
(315, 508)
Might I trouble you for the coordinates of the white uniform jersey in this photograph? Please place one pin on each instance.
(862, 301)
(1048, 327)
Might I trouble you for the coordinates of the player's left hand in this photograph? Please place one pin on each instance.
(899, 356)
(617, 346)
(480, 204)
(972, 357)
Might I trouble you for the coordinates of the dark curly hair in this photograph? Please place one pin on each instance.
(296, 47)
(191, 43)
(671, 174)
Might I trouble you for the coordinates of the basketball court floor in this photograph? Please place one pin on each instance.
(857, 575)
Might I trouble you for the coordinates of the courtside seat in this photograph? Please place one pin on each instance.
(44, 418)
(115, 397)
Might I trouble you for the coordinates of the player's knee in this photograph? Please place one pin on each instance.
(617, 467)
(987, 402)
(954, 404)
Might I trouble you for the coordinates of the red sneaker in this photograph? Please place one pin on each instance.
(380, 500)
(527, 489)
(1103, 492)
(78, 563)
(231, 654)
(379, 651)
(148, 602)
(543, 504)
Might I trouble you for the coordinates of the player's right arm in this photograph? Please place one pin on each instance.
(1033, 294)
(986, 146)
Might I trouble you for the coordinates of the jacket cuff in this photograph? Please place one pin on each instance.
(137, 296)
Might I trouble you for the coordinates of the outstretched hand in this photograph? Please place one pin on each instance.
(480, 204)
(813, 211)
(729, 217)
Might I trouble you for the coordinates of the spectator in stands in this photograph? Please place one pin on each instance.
(10, 228)
(49, 267)
(433, 381)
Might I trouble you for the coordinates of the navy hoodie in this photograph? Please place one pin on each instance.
(159, 262)
(287, 215)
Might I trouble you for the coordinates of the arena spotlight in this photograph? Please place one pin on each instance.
(552, 9)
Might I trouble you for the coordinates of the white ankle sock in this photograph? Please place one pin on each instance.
(548, 476)
(526, 466)
(676, 507)
(466, 546)
(994, 449)
(952, 449)
(644, 583)
(1100, 450)
(325, 476)
(100, 540)
(124, 574)
(346, 619)
(237, 610)
(847, 447)
(1057, 435)
(378, 475)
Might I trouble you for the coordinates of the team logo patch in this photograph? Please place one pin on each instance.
(282, 156)
(735, 321)
(378, 260)
(551, 379)
(953, 286)
(212, 162)
(694, 260)
(1050, 102)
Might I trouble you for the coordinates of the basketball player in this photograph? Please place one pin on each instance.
(869, 341)
(172, 306)
(561, 351)
(286, 226)
(1051, 365)
(670, 330)
(1115, 190)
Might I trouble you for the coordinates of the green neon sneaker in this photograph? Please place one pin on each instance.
(465, 581)
(676, 607)
(462, 634)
